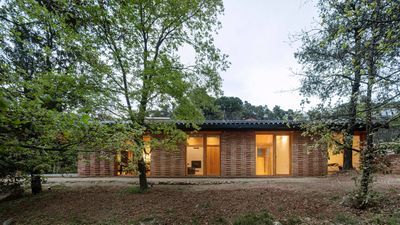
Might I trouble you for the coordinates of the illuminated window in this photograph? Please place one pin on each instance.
(195, 156)
(125, 159)
(203, 155)
(272, 154)
(335, 161)
(282, 155)
(264, 158)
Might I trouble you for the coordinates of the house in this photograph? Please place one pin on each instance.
(244, 148)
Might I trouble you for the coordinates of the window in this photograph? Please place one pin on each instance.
(282, 155)
(195, 156)
(203, 155)
(272, 154)
(264, 158)
(335, 161)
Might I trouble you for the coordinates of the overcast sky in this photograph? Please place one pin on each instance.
(255, 35)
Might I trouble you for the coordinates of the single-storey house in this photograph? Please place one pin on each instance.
(232, 148)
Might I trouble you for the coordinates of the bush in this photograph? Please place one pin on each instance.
(255, 219)
(345, 219)
(358, 200)
(292, 221)
(133, 190)
(393, 219)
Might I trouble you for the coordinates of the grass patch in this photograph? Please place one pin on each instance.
(255, 219)
(291, 221)
(220, 221)
(133, 190)
(147, 220)
(345, 219)
(393, 219)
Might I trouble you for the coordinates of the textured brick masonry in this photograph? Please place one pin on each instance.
(238, 159)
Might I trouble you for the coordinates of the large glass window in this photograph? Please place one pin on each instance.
(126, 160)
(282, 155)
(335, 161)
(203, 155)
(264, 154)
(195, 156)
(272, 154)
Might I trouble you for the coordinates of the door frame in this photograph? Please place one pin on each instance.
(204, 135)
(274, 134)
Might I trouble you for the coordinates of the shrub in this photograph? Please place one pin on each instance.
(133, 190)
(345, 219)
(255, 219)
(358, 200)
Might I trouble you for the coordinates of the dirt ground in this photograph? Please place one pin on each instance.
(201, 201)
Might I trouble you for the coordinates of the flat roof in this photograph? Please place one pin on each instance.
(258, 125)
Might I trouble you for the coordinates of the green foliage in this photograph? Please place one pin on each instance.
(47, 92)
(133, 190)
(350, 62)
(391, 219)
(360, 200)
(292, 221)
(138, 42)
(345, 219)
(233, 108)
(254, 219)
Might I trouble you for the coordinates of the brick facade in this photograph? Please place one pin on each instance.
(238, 159)
(95, 164)
(168, 163)
(238, 149)
(306, 162)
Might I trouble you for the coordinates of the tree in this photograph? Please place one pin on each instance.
(231, 107)
(139, 43)
(331, 59)
(355, 56)
(382, 51)
(45, 87)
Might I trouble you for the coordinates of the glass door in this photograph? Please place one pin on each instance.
(282, 155)
(264, 154)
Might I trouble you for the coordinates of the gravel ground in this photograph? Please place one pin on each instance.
(113, 200)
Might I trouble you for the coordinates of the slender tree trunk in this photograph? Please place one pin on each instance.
(368, 152)
(143, 106)
(141, 121)
(348, 138)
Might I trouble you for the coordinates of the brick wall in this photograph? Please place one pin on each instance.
(95, 164)
(304, 162)
(168, 163)
(238, 159)
(238, 153)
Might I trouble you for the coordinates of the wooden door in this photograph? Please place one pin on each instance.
(213, 161)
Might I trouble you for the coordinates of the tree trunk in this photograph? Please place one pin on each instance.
(36, 184)
(348, 138)
(368, 153)
(142, 175)
(141, 163)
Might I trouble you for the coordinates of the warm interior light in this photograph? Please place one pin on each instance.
(264, 154)
(282, 155)
(335, 161)
(193, 140)
(212, 140)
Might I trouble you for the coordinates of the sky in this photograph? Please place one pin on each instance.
(256, 36)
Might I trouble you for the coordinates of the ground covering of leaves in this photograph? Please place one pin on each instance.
(291, 201)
